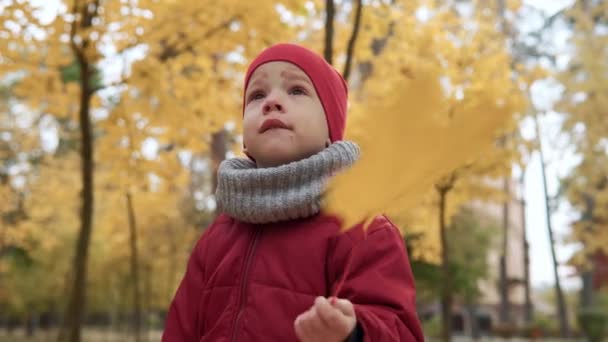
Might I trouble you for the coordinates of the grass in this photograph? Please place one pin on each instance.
(89, 335)
(100, 335)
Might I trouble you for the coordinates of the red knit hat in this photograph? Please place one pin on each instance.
(329, 84)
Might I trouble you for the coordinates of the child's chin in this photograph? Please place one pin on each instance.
(275, 158)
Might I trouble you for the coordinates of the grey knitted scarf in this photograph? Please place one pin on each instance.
(285, 192)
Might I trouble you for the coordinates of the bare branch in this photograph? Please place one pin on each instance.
(353, 38)
(109, 85)
(75, 48)
(171, 52)
(329, 30)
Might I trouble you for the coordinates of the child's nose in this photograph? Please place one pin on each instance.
(272, 104)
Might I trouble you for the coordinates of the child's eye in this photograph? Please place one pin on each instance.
(256, 95)
(297, 91)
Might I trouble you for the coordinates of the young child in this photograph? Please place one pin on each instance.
(273, 266)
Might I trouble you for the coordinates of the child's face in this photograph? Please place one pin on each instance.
(284, 120)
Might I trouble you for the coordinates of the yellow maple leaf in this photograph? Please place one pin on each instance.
(406, 146)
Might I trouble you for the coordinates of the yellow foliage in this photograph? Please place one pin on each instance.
(432, 102)
(424, 114)
(584, 102)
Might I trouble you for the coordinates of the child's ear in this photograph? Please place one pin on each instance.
(244, 148)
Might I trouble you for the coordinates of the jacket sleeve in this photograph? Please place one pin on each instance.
(372, 270)
(182, 318)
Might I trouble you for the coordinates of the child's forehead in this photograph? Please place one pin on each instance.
(281, 67)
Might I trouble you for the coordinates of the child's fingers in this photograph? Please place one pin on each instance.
(301, 327)
(330, 316)
(308, 325)
(344, 305)
(315, 324)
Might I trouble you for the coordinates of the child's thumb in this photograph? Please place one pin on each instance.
(344, 305)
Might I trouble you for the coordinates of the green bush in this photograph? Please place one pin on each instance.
(432, 327)
(594, 324)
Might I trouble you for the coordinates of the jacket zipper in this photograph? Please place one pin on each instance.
(244, 283)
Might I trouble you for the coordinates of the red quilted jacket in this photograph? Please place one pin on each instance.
(248, 282)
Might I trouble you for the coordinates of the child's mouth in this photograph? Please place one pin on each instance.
(269, 124)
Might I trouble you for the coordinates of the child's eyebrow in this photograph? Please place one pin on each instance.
(256, 79)
(294, 76)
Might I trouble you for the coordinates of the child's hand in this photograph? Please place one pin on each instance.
(326, 321)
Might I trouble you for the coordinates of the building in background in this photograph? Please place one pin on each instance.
(515, 309)
(492, 311)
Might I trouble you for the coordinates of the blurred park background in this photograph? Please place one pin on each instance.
(114, 115)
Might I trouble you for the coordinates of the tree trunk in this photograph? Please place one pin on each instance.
(172, 276)
(561, 303)
(219, 148)
(29, 324)
(446, 289)
(134, 268)
(587, 289)
(528, 315)
(147, 301)
(329, 30)
(77, 302)
(76, 306)
(505, 312)
(350, 50)
(472, 314)
(503, 284)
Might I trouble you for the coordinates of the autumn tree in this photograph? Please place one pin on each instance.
(190, 72)
(584, 104)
